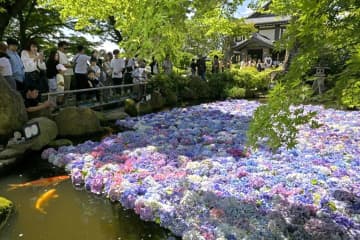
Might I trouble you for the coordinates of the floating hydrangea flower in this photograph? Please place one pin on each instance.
(189, 170)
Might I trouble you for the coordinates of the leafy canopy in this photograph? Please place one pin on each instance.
(317, 28)
(153, 27)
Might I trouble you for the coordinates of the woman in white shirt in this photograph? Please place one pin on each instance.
(33, 62)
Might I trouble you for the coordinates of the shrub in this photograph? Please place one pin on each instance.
(218, 83)
(168, 86)
(236, 92)
(250, 78)
(200, 88)
(347, 87)
(171, 99)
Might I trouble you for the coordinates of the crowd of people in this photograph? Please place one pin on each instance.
(30, 73)
(259, 64)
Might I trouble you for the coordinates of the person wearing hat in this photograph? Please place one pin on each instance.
(17, 65)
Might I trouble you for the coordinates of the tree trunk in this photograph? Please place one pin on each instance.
(10, 10)
(112, 22)
(23, 17)
(228, 52)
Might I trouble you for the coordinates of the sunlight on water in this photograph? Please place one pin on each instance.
(73, 215)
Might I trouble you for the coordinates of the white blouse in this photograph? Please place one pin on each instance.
(30, 64)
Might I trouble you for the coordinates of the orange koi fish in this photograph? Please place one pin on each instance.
(44, 198)
(40, 182)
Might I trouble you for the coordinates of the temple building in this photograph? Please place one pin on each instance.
(260, 45)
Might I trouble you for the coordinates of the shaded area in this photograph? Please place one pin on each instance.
(74, 215)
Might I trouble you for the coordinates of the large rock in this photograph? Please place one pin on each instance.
(12, 110)
(157, 101)
(73, 121)
(6, 208)
(130, 107)
(48, 132)
(100, 116)
(60, 142)
(116, 114)
(11, 153)
(143, 108)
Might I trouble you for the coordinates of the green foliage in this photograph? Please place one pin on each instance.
(160, 27)
(199, 87)
(236, 92)
(250, 78)
(347, 89)
(168, 86)
(319, 33)
(33, 21)
(233, 84)
(218, 83)
(276, 123)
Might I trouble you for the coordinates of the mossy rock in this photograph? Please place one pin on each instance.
(60, 142)
(12, 111)
(73, 121)
(115, 115)
(143, 108)
(48, 132)
(11, 153)
(100, 116)
(130, 107)
(6, 208)
(157, 101)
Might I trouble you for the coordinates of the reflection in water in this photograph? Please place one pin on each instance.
(74, 215)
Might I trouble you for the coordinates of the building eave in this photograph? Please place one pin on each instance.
(268, 20)
(257, 38)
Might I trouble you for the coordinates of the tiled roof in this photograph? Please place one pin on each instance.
(256, 37)
(271, 19)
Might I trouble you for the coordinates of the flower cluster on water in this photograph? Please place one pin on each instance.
(187, 170)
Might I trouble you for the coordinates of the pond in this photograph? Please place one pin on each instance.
(73, 215)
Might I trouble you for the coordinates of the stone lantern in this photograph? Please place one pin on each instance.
(319, 83)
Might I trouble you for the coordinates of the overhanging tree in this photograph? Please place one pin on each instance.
(37, 22)
(150, 27)
(316, 27)
(9, 9)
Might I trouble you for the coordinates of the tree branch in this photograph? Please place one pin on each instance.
(112, 23)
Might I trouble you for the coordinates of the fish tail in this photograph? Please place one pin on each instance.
(14, 186)
(41, 210)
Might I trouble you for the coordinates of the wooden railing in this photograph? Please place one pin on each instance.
(97, 97)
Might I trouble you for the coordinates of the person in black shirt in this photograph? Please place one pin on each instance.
(201, 67)
(32, 100)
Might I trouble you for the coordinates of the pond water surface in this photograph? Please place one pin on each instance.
(74, 215)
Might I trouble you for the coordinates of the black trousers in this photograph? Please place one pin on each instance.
(116, 82)
(81, 83)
